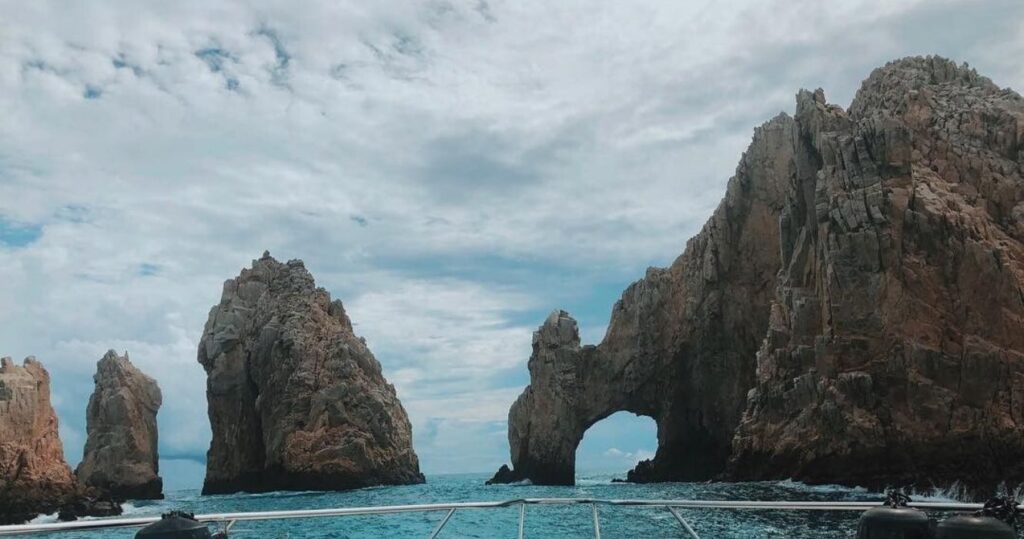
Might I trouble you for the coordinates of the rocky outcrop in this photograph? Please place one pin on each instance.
(895, 352)
(680, 343)
(121, 450)
(863, 279)
(296, 400)
(34, 477)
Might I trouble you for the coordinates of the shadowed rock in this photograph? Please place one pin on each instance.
(863, 279)
(121, 450)
(296, 400)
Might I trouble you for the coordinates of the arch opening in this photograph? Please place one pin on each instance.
(614, 445)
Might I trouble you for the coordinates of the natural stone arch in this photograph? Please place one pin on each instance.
(680, 346)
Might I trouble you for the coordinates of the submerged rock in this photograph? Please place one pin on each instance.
(34, 477)
(91, 503)
(851, 313)
(121, 450)
(296, 399)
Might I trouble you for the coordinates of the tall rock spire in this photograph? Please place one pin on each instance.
(121, 450)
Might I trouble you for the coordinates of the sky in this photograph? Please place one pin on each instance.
(452, 170)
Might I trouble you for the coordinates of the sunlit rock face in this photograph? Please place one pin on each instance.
(895, 352)
(853, 312)
(296, 399)
(34, 477)
(121, 449)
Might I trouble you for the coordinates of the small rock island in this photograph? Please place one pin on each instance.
(296, 399)
(121, 450)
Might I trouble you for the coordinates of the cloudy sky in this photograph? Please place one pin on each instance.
(452, 170)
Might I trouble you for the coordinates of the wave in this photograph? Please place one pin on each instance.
(44, 519)
(826, 489)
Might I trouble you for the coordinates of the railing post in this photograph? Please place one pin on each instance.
(597, 523)
(522, 519)
(443, 522)
(683, 522)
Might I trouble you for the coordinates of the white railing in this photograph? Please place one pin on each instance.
(673, 506)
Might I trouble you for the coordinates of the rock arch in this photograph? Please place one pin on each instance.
(859, 291)
(680, 345)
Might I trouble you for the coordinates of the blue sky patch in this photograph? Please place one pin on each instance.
(14, 234)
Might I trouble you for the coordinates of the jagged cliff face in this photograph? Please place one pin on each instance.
(296, 400)
(34, 477)
(121, 449)
(895, 351)
(680, 343)
(863, 279)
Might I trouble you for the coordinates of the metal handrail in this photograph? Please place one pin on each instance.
(450, 508)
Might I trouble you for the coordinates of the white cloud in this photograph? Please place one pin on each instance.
(633, 456)
(450, 171)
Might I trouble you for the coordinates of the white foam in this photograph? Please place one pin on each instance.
(44, 519)
(798, 485)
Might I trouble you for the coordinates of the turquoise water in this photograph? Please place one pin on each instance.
(541, 521)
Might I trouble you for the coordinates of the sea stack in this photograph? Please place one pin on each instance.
(121, 450)
(34, 477)
(296, 399)
(853, 311)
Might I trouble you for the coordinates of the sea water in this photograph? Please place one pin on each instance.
(541, 521)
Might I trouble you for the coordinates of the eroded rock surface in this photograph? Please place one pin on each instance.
(34, 477)
(895, 352)
(296, 399)
(121, 449)
(863, 279)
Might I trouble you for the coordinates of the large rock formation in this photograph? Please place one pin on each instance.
(864, 277)
(895, 352)
(121, 449)
(296, 400)
(34, 477)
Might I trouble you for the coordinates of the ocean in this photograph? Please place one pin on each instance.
(541, 521)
